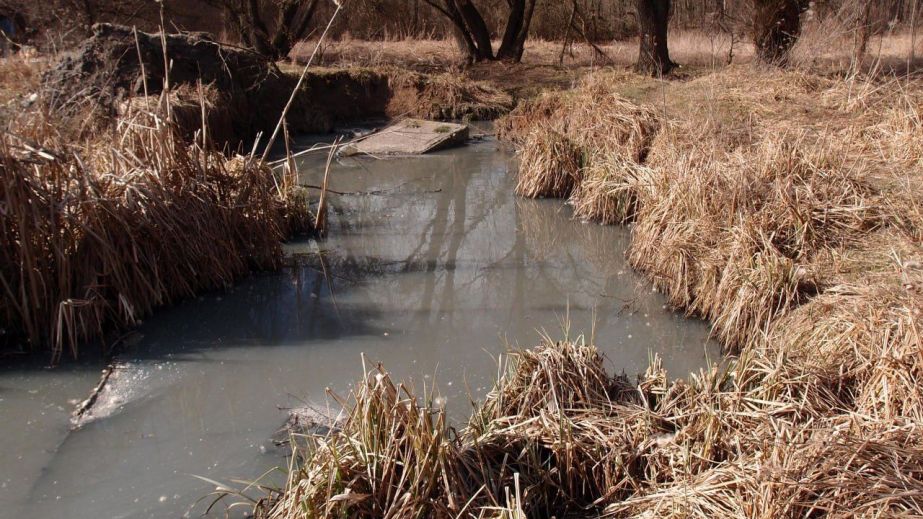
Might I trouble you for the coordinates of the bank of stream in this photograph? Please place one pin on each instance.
(433, 271)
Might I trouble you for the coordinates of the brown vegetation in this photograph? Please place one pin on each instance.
(19, 78)
(559, 437)
(242, 92)
(95, 235)
(564, 133)
(104, 222)
(782, 206)
(782, 212)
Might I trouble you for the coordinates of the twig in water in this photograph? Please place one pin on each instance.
(373, 192)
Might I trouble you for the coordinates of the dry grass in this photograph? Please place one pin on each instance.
(693, 48)
(564, 136)
(826, 46)
(19, 76)
(560, 437)
(608, 191)
(782, 206)
(97, 234)
(416, 54)
(550, 165)
(550, 439)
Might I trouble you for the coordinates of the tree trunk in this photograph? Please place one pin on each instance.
(653, 23)
(290, 21)
(524, 30)
(777, 25)
(513, 26)
(477, 28)
(470, 28)
(517, 30)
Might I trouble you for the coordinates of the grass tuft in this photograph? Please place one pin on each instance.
(95, 235)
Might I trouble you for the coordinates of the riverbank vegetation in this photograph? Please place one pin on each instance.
(98, 233)
(781, 204)
(772, 187)
(125, 188)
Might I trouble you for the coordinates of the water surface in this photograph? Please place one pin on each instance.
(433, 271)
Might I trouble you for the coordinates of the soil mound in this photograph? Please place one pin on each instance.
(118, 71)
(117, 63)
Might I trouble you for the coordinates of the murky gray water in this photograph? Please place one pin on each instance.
(432, 276)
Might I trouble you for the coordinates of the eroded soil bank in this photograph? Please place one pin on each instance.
(239, 93)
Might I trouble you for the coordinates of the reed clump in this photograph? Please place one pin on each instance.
(391, 456)
(554, 435)
(785, 208)
(550, 165)
(608, 192)
(96, 234)
(558, 436)
(590, 125)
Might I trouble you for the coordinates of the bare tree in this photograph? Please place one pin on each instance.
(270, 27)
(863, 24)
(475, 35)
(653, 24)
(517, 30)
(776, 27)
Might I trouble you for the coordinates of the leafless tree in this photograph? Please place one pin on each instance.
(475, 34)
(270, 27)
(653, 25)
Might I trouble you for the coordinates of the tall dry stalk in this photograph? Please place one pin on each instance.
(301, 78)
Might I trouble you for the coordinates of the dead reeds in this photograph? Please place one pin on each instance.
(550, 439)
(759, 437)
(794, 230)
(565, 136)
(97, 234)
(782, 206)
(609, 190)
(550, 165)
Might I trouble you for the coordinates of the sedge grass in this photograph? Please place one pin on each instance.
(95, 235)
(781, 206)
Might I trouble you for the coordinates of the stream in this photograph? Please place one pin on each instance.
(435, 274)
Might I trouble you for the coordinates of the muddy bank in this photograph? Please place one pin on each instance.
(112, 72)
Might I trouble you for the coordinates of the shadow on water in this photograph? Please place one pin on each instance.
(431, 275)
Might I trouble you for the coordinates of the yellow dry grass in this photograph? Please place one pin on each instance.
(95, 235)
(823, 46)
(784, 207)
(781, 205)
(563, 135)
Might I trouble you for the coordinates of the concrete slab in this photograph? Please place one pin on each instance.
(410, 137)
